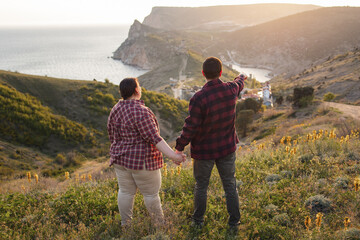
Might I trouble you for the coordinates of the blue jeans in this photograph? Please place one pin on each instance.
(202, 172)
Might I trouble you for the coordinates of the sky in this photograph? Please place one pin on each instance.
(90, 12)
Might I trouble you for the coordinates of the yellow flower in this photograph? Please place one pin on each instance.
(346, 222)
(282, 140)
(83, 177)
(36, 178)
(23, 188)
(89, 177)
(28, 174)
(178, 169)
(287, 149)
(77, 178)
(356, 184)
(288, 140)
(307, 222)
(240, 148)
(172, 172)
(319, 219)
(67, 175)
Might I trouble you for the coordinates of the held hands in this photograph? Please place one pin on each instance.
(179, 157)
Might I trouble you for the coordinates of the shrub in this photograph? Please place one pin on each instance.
(279, 100)
(286, 174)
(306, 158)
(249, 104)
(243, 119)
(271, 209)
(318, 203)
(341, 182)
(303, 96)
(353, 169)
(282, 219)
(60, 159)
(273, 178)
(328, 97)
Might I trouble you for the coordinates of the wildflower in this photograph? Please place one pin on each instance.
(178, 169)
(319, 216)
(36, 178)
(282, 140)
(295, 142)
(346, 222)
(67, 175)
(28, 174)
(23, 188)
(240, 148)
(77, 178)
(165, 169)
(307, 222)
(356, 184)
(326, 133)
(172, 172)
(89, 177)
(288, 140)
(287, 149)
(83, 177)
(254, 142)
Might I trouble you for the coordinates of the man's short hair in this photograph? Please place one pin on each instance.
(127, 87)
(212, 68)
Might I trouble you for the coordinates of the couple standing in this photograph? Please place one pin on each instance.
(136, 145)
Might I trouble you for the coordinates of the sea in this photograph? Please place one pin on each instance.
(77, 52)
(73, 52)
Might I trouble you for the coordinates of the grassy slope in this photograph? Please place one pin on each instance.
(275, 187)
(339, 74)
(68, 103)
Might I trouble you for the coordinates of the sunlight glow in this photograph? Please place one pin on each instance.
(79, 12)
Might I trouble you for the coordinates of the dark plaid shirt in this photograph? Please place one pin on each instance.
(210, 126)
(133, 133)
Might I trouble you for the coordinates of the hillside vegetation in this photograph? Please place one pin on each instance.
(339, 74)
(281, 185)
(63, 122)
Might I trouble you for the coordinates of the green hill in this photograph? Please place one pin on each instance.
(54, 116)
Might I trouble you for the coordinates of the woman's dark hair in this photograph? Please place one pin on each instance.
(212, 68)
(127, 87)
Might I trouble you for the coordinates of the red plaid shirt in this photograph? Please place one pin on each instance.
(210, 126)
(133, 133)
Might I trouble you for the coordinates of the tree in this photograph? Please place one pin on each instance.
(249, 104)
(243, 119)
(303, 96)
(279, 100)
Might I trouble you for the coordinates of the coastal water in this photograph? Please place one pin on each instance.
(261, 75)
(82, 52)
(79, 52)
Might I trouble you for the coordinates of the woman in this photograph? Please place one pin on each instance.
(135, 143)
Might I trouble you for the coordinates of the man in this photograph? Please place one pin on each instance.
(210, 128)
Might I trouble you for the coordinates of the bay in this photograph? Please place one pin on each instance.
(75, 52)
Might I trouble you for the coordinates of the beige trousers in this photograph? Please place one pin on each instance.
(148, 182)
